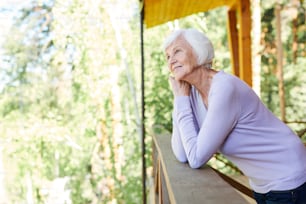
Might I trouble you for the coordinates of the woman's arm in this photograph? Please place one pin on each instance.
(180, 89)
(222, 115)
(176, 142)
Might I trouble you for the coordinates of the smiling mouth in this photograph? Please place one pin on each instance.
(175, 68)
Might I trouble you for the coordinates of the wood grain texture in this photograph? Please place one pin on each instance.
(191, 186)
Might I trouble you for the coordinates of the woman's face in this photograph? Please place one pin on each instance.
(181, 58)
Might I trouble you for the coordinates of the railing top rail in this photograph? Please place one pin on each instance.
(192, 186)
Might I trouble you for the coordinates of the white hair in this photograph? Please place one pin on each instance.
(201, 45)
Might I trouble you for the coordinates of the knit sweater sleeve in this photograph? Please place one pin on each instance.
(222, 115)
(176, 142)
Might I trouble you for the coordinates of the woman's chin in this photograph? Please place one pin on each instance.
(177, 77)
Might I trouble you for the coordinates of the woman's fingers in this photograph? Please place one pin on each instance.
(179, 88)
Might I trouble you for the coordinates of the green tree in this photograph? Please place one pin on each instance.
(70, 85)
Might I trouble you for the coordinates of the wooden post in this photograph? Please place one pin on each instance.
(244, 21)
(240, 40)
(233, 40)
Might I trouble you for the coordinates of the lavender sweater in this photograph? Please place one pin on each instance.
(237, 124)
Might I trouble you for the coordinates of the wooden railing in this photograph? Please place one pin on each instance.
(177, 183)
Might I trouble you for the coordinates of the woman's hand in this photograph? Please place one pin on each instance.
(179, 88)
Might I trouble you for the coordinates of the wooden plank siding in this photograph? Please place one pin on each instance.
(177, 183)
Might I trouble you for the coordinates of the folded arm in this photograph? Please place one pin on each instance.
(198, 146)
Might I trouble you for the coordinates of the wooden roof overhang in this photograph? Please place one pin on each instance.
(156, 12)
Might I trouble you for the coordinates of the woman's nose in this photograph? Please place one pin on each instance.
(171, 60)
(171, 63)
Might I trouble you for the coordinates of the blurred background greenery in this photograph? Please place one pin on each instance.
(70, 109)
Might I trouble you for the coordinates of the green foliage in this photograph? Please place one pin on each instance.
(293, 65)
(61, 74)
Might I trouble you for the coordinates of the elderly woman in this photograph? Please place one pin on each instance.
(215, 111)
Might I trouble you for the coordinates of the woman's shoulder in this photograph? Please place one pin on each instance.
(228, 81)
(223, 80)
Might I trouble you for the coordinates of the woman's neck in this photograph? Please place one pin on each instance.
(201, 79)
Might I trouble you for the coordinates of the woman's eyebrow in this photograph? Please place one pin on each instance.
(174, 48)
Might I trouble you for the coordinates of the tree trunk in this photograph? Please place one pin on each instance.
(295, 4)
(281, 89)
(256, 45)
(123, 55)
